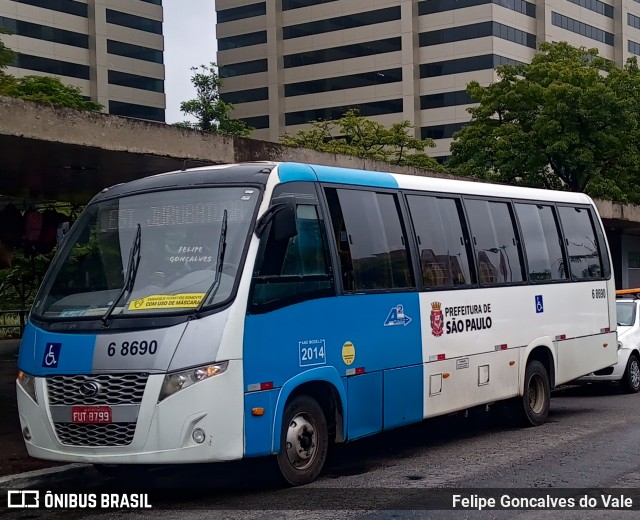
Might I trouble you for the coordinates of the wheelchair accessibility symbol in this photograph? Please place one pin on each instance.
(539, 304)
(51, 355)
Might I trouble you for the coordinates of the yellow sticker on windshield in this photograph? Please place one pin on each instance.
(166, 301)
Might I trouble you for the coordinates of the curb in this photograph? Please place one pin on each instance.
(32, 477)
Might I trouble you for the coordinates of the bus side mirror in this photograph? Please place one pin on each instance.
(282, 216)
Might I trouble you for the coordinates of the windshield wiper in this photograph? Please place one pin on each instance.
(222, 246)
(130, 275)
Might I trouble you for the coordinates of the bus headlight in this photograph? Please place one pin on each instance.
(185, 378)
(28, 384)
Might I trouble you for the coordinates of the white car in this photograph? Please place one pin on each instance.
(627, 370)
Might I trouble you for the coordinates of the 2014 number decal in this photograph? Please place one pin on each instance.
(133, 348)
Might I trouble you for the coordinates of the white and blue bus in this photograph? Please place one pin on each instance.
(273, 308)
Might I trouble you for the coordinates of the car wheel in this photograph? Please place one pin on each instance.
(304, 441)
(631, 379)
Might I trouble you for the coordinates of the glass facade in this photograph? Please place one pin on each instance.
(390, 106)
(341, 23)
(342, 53)
(365, 79)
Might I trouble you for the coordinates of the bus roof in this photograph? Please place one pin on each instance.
(258, 172)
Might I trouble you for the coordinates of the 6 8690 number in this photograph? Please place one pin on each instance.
(133, 348)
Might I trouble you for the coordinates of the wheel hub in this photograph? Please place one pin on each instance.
(634, 372)
(301, 442)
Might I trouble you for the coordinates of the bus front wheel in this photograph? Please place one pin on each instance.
(303, 441)
(536, 396)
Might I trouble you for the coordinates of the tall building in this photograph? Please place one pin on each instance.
(111, 49)
(287, 62)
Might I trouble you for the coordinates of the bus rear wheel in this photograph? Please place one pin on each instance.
(304, 441)
(536, 396)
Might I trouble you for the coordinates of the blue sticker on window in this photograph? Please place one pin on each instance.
(51, 355)
(539, 304)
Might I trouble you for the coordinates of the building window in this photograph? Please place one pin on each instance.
(365, 79)
(633, 21)
(445, 131)
(156, 2)
(257, 122)
(44, 32)
(287, 5)
(242, 40)
(125, 79)
(134, 22)
(596, 6)
(460, 65)
(370, 239)
(245, 96)
(478, 30)
(341, 23)
(634, 48)
(445, 99)
(569, 24)
(57, 67)
(498, 256)
(240, 13)
(137, 52)
(120, 108)
(439, 6)
(443, 241)
(542, 242)
(376, 108)
(343, 53)
(240, 69)
(63, 6)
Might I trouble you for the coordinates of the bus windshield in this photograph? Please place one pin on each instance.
(150, 253)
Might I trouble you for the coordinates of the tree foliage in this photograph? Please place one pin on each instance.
(48, 90)
(210, 111)
(40, 89)
(358, 136)
(569, 120)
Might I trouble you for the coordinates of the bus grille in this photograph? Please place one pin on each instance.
(112, 434)
(114, 389)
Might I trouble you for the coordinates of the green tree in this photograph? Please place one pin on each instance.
(6, 58)
(209, 110)
(48, 90)
(568, 120)
(358, 136)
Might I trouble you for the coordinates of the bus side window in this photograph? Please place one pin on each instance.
(295, 269)
(442, 240)
(582, 246)
(370, 239)
(542, 242)
(494, 237)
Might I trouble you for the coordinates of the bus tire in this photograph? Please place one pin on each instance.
(631, 377)
(536, 396)
(304, 441)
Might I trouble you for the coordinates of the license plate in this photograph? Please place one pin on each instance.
(91, 414)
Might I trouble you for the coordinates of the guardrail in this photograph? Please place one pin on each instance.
(13, 320)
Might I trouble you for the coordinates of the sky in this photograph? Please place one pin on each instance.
(189, 41)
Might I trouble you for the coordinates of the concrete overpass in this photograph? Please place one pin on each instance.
(69, 155)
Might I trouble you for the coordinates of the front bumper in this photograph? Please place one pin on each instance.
(163, 431)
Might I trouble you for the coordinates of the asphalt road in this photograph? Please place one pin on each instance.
(590, 445)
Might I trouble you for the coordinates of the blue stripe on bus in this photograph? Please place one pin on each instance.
(48, 353)
(289, 172)
(287, 347)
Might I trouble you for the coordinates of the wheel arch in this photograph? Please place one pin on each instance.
(541, 350)
(325, 386)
